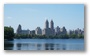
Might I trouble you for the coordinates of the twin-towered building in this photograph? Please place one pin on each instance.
(48, 30)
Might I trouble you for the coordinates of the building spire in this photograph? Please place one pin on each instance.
(19, 29)
(51, 24)
(46, 24)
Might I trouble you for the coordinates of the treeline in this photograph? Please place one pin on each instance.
(66, 36)
(10, 35)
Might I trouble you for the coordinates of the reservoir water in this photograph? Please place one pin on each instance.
(48, 44)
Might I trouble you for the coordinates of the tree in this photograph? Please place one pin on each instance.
(74, 36)
(80, 36)
(8, 33)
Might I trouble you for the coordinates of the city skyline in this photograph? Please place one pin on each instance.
(49, 30)
(31, 16)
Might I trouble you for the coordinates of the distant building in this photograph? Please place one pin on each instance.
(26, 31)
(57, 30)
(20, 31)
(32, 32)
(82, 31)
(52, 27)
(77, 32)
(46, 24)
(63, 30)
(71, 32)
(48, 31)
(38, 31)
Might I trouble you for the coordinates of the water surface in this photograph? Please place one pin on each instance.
(48, 44)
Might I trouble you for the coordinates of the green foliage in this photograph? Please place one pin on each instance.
(63, 36)
(80, 36)
(8, 33)
(73, 36)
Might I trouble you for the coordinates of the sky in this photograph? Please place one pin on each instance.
(31, 16)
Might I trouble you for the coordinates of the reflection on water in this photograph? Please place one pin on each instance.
(48, 44)
(19, 46)
(8, 45)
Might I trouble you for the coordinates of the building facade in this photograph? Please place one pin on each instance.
(38, 31)
(20, 31)
(57, 30)
(48, 31)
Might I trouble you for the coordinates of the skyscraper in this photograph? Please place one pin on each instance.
(52, 31)
(51, 24)
(48, 31)
(46, 24)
